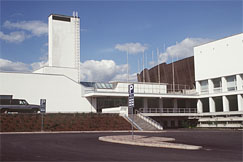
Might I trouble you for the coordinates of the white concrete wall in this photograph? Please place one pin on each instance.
(62, 42)
(69, 72)
(122, 110)
(62, 94)
(111, 110)
(219, 58)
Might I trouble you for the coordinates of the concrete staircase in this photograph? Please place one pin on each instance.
(144, 125)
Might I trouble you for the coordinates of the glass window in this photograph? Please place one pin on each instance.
(231, 83)
(15, 102)
(4, 101)
(204, 86)
(104, 85)
(22, 102)
(217, 84)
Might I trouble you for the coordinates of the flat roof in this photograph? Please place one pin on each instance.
(218, 39)
(63, 15)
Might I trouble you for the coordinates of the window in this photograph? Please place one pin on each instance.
(217, 85)
(231, 83)
(4, 101)
(22, 102)
(104, 85)
(15, 102)
(204, 86)
(61, 18)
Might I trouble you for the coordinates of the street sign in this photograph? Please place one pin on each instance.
(131, 96)
(131, 103)
(43, 105)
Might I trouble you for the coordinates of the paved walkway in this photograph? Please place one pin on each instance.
(148, 141)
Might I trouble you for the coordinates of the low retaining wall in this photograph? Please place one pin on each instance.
(62, 122)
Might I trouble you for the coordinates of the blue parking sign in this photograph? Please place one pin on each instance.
(131, 96)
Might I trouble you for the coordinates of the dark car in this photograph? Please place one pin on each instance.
(17, 105)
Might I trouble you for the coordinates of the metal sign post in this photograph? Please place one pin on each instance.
(42, 111)
(131, 103)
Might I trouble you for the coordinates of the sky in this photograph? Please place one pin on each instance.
(162, 30)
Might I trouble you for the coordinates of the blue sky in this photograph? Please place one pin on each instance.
(108, 25)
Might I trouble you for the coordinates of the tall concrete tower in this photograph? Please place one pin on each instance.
(63, 40)
(63, 46)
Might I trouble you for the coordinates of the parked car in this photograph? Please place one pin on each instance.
(17, 105)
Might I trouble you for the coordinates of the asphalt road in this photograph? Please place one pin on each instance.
(217, 146)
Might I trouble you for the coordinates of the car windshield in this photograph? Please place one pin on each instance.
(23, 102)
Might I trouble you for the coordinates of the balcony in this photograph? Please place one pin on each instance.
(141, 88)
(168, 110)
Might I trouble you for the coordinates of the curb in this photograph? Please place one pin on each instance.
(162, 143)
(66, 132)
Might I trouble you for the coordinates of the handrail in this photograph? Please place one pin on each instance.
(168, 110)
(151, 121)
(148, 89)
(133, 123)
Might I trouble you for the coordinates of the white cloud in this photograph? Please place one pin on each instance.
(182, 49)
(132, 48)
(38, 65)
(6, 65)
(123, 77)
(90, 70)
(37, 28)
(104, 71)
(14, 37)
(10, 66)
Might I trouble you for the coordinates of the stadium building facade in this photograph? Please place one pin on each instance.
(216, 101)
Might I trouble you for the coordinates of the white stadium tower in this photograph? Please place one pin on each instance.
(217, 100)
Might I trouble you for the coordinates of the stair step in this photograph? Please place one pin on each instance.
(142, 123)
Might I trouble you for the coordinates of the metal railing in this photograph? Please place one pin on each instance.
(132, 122)
(149, 120)
(168, 110)
(217, 90)
(149, 89)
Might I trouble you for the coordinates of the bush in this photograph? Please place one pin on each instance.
(62, 122)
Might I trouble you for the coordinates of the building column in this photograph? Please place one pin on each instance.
(161, 103)
(145, 103)
(198, 87)
(176, 123)
(93, 104)
(240, 102)
(199, 106)
(175, 104)
(239, 82)
(224, 84)
(211, 105)
(169, 123)
(188, 105)
(210, 86)
(225, 104)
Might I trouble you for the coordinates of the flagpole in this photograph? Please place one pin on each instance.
(158, 65)
(143, 68)
(127, 68)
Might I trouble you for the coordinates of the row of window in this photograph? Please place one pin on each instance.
(217, 84)
(218, 103)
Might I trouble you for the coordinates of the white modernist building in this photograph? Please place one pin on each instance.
(58, 82)
(217, 97)
(219, 79)
(63, 46)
